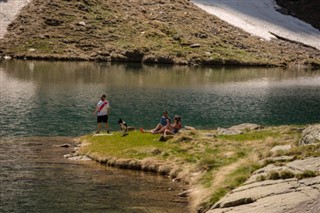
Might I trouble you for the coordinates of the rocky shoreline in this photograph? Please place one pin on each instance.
(285, 183)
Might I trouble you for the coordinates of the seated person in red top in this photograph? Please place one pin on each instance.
(175, 127)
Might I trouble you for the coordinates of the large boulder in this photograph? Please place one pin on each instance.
(310, 135)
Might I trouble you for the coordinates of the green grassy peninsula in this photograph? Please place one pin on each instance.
(211, 164)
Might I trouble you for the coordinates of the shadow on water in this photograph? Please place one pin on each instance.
(36, 178)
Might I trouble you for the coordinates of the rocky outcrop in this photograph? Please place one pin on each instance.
(310, 135)
(307, 11)
(278, 194)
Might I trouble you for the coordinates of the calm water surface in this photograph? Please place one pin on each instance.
(57, 98)
(36, 178)
(44, 103)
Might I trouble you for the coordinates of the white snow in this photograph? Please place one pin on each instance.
(259, 18)
(8, 11)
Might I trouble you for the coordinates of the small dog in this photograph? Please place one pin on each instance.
(124, 127)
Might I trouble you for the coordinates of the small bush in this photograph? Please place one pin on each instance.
(273, 175)
(261, 178)
(286, 174)
(306, 174)
(207, 164)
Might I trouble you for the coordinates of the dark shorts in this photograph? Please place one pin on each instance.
(103, 118)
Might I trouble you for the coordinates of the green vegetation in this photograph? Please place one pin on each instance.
(306, 174)
(221, 163)
(286, 174)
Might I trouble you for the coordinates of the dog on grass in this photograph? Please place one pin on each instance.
(124, 127)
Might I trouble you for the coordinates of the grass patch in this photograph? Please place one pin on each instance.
(306, 174)
(241, 174)
(250, 136)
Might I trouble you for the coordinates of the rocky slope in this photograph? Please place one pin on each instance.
(286, 184)
(304, 10)
(162, 31)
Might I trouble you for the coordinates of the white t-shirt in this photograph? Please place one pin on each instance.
(103, 111)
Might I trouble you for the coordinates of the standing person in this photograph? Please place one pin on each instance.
(102, 111)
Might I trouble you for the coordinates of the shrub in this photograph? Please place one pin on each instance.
(306, 174)
(261, 178)
(273, 175)
(285, 174)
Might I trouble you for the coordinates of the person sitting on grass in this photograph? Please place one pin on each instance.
(174, 128)
(161, 126)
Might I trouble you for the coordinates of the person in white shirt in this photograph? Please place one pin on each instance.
(102, 111)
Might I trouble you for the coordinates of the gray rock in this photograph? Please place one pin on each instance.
(310, 181)
(271, 204)
(247, 127)
(77, 157)
(249, 194)
(312, 164)
(82, 23)
(239, 129)
(283, 158)
(281, 148)
(195, 45)
(80, 158)
(289, 195)
(310, 135)
(224, 131)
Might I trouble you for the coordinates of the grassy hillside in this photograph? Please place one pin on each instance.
(162, 31)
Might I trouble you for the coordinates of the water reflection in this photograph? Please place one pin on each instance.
(36, 178)
(57, 98)
(133, 75)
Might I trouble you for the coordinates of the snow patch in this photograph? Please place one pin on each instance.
(260, 18)
(8, 11)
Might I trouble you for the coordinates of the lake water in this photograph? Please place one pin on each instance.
(57, 98)
(48, 103)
